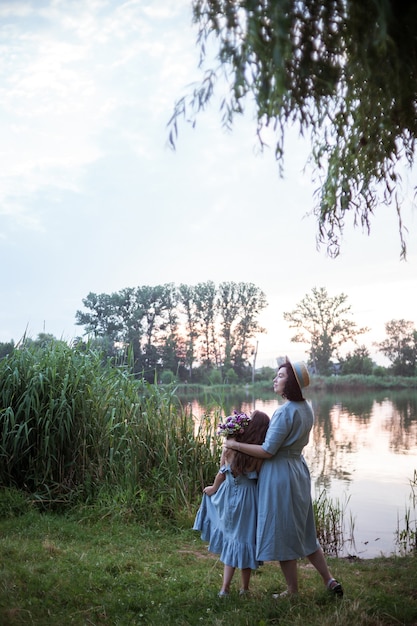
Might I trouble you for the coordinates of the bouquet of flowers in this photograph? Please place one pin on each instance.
(233, 425)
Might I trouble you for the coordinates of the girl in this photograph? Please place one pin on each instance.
(228, 511)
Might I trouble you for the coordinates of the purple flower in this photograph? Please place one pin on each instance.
(233, 425)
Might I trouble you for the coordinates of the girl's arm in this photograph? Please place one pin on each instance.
(226, 454)
(216, 484)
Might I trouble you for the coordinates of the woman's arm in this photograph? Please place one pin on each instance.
(247, 448)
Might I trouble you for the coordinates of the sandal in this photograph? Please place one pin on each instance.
(283, 594)
(335, 588)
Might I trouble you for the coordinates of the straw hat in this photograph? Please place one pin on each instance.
(301, 373)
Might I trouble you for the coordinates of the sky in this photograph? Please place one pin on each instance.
(92, 199)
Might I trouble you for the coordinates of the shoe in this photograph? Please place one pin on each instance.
(335, 588)
(223, 594)
(283, 594)
(243, 592)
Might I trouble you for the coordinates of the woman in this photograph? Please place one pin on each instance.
(227, 515)
(286, 528)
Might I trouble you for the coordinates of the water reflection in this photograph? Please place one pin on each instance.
(362, 451)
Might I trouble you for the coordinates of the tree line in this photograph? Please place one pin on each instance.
(207, 333)
(184, 329)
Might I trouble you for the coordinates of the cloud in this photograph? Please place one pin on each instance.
(72, 72)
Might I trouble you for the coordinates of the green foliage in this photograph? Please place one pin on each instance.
(13, 502)
(73, 427)
(215, 377)
(344, 72)
(265, 374)
(358, 362)
(381, 371)
(53, 404)
(167, 377)
(230, 376)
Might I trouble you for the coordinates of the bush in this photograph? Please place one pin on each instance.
(231, 377)
(167, 377)
(215, 377)
(265, 374)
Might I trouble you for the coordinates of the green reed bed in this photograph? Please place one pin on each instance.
(75, 429)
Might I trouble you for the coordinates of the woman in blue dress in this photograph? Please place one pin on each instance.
(228, 512)
(286, 528)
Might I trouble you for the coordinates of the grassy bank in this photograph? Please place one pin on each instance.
(317, 383)
(90, 569)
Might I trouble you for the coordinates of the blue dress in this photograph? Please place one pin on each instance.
(286, 528)
(227, 520)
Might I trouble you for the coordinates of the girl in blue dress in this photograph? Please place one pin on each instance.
(228, 512)
(286, 528)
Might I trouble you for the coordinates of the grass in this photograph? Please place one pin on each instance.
(83, 569)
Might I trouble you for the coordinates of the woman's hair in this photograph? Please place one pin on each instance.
(254, 433)
(292, 390)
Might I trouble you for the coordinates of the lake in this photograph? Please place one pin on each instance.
(363, 453)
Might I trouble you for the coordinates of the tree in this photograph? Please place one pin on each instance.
(6, 348)
(102, 320)
(252, 301)
(400, 347)
(228, 305)
(186, 300)
(323, 323)
(358, 362)
(343, 71)
(159, 323)
(205, 302)
(238, 305)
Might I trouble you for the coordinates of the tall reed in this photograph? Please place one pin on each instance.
(330, 523)
(406, 537)
(73, 426)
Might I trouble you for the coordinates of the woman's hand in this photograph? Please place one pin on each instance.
(209, 490)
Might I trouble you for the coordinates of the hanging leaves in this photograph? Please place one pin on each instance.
(343, 70)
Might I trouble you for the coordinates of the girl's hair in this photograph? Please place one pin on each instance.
(292, 390)
(254, 433)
